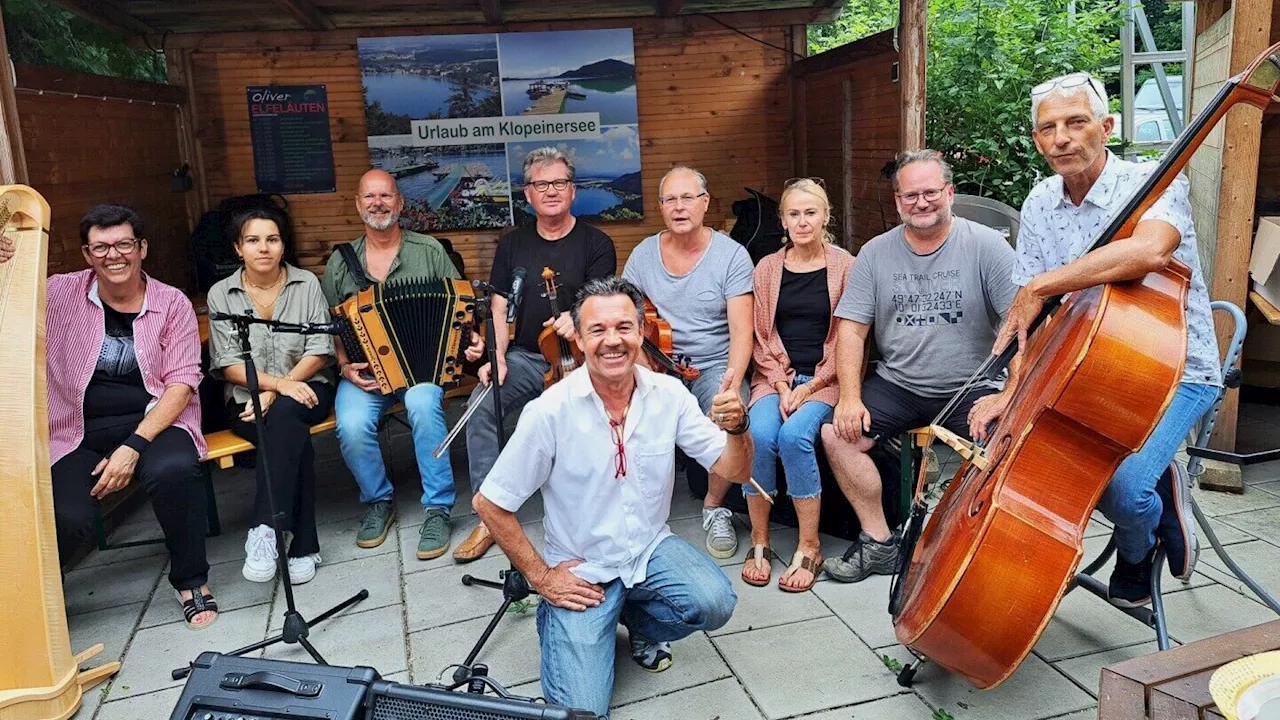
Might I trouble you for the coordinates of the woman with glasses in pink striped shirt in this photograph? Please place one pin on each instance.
(123, 354)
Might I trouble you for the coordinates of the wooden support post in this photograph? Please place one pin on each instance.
(1251, 34)
(13, 159)
(912, 51)
(178, 64)
(798, 44)
(846, 160)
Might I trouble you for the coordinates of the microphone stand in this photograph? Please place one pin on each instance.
(514, 586)
(296, 628)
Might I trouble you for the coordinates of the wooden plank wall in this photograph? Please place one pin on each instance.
(877, 110)
(1212, 67)
(707, 97)
(1269, 157)
(85, 150)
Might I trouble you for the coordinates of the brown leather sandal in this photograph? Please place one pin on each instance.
(755, 555)
(800, 561)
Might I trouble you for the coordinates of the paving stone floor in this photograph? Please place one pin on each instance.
(823, 655)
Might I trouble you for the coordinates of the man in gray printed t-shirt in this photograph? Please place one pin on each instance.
(700, 282)
(935, 291)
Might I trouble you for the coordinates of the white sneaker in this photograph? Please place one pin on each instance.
(260, 555)
(302, 569)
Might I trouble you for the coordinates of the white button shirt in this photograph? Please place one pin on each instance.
(1055, 232)
(563, 446)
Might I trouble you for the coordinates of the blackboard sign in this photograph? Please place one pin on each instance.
(292, 152)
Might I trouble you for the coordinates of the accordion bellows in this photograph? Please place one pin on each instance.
(409, 331)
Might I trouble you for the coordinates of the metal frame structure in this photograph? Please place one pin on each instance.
(1136, 25)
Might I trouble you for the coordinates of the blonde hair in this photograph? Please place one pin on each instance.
(807, 185)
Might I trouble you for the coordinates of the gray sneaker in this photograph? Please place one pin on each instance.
(652, 656)
(865, 557)
(722, 539)
(433, 536)
(376, 524)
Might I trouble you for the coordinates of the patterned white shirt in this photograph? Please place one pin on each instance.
(563, 446)
(1055, 232)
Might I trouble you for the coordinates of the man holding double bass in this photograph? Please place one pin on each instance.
(577, 253)
(1148, 496)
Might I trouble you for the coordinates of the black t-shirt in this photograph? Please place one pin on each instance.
(586, 253)
(115, 390)
(803, 317)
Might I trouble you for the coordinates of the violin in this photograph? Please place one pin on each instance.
(563, 356)
(657, 346)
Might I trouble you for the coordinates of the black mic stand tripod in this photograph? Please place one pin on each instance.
(296, 628)
(514, 586)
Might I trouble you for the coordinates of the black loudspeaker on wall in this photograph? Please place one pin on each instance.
(226, 687)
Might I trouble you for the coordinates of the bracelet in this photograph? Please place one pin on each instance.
(746, 424)
(136, 442)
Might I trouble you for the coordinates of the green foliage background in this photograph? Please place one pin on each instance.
(40, 33)
(984, 57)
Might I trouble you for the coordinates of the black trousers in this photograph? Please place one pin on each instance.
(169, 471)
(291, 460)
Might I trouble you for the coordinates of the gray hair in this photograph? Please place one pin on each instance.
(548, 156)
(916, 156)
(603, 287)
(702, 179)
(1097, 98)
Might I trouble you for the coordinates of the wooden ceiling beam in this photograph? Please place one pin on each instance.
(492, 10)
(307, 14)
(108, 15)
(669, 8)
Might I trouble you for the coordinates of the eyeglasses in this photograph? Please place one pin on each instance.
(124, 247)
(1066, 82)
(816, 180)
(685, 199)
(912, 198)
(542, 185)
(384, 197)
(616, 427)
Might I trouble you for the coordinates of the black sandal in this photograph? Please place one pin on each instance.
(198, 603)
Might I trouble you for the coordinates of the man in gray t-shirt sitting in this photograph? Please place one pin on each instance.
(935, 289)
(700, 282)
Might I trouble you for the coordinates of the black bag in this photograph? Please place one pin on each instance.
(758, 227)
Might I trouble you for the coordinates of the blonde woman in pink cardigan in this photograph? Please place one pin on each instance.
(793, 388)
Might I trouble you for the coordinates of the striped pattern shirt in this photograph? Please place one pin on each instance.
(165, 337)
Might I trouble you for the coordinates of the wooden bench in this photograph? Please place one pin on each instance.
(225, 445)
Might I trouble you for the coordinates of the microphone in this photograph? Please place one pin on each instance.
(325, 328)
(517, 290)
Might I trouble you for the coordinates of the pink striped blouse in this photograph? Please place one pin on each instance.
(165, 338)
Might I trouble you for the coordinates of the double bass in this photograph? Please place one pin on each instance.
(1003, 544)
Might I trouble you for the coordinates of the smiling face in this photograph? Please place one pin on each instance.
(683, 202)
(609, 335)
(260, 246)
(115, 269)
(378, 201)
(804, 215)
(917, 184)
(550, 203)
(1069, 135)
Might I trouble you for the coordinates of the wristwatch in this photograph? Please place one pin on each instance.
(746, 424)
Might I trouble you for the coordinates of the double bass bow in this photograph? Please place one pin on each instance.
(979, 585)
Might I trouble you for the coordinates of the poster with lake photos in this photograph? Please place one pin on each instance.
(453, 117)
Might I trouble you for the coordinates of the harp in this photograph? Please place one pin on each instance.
(39, 675)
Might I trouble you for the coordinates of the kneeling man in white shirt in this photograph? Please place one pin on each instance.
(600, 445)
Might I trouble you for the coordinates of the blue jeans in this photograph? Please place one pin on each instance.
(1130, 500)
(684, 592)
(792, 440)
(358, 413)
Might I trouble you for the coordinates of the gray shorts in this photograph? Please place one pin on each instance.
(708, 384)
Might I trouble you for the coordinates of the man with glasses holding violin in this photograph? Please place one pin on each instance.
(123, 355)
(1148, 496)
(700, 282)
(934, 290)
(577, 253)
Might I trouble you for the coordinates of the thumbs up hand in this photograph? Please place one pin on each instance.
(727, 410)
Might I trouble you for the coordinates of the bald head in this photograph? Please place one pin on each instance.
(378, 200)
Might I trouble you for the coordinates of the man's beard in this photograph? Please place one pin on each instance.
(941, 216)
(372, 221)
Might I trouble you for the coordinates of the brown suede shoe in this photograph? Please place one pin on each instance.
(475, 546)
